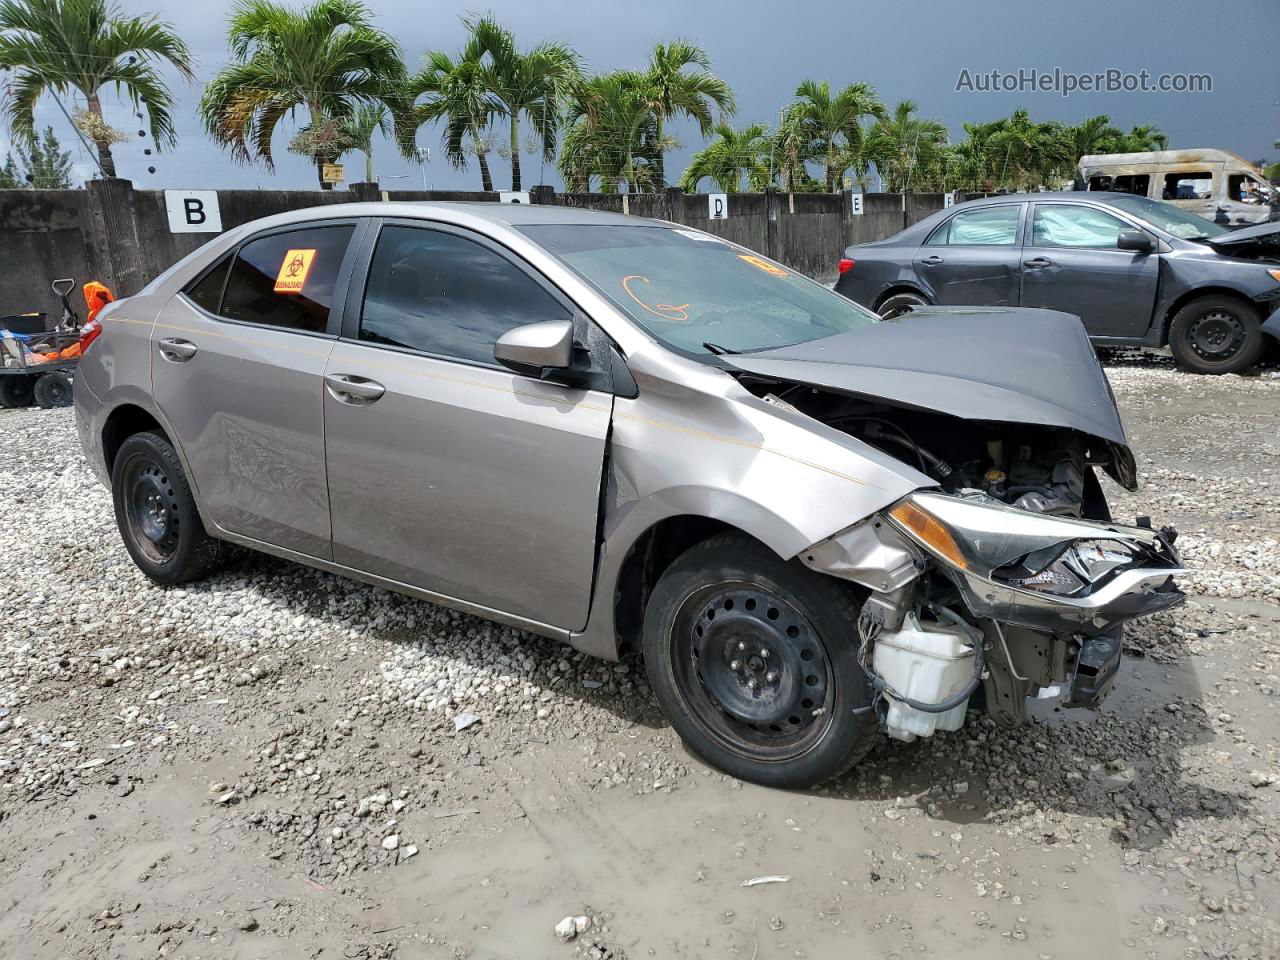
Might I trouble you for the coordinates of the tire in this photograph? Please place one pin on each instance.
(157, 515)
(900, 303)
(1215, 335)
(810, 717)
(53, 390)
(16, 390)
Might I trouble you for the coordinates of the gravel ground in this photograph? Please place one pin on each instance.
(278, 761)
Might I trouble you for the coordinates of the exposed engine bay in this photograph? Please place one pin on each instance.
(938, 638)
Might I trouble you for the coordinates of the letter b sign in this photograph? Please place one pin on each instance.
(193, 211)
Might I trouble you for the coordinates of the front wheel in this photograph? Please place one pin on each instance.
(1214, 335)
(754, 662)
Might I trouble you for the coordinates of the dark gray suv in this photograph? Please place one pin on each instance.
(1136, 271)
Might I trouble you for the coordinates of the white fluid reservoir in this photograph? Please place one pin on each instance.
(928, 662)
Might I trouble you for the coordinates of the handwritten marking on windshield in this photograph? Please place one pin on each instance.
(666, 311)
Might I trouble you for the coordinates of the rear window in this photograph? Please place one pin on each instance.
(287, 279)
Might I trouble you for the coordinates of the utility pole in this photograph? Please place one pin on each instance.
(424, 155)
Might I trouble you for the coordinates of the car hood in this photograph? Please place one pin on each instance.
(1263, 236)
(1004, 364)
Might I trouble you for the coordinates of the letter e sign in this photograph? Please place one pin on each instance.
(293, 271)
(193, 211)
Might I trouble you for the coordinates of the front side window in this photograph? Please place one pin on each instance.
(986, 226)
(1246, 189)
(1164, 216)
(1060, 225)
(444, 294)
(697, 293)
(287, 279)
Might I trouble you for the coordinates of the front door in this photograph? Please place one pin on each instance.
(447, 471)
(1071, 263)
(237, 369)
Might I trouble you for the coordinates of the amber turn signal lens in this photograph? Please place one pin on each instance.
(1275, 275)
(930, 532)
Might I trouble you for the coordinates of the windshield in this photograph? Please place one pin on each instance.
(697, 293)
(1168, 218)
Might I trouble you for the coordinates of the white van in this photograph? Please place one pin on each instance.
(1217, 185)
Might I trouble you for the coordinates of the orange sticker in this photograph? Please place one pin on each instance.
(763, 264)
(293, 271)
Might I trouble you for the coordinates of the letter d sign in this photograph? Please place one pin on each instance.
(193, 211)
(719, 206)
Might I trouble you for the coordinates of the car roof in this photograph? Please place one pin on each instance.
(1045, 197)
(509, 214)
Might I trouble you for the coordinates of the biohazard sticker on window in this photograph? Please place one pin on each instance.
(293, 271)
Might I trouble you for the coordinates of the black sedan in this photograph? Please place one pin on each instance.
(1136, 271)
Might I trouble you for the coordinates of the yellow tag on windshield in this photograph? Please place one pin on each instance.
(761, 263)
(293, 271)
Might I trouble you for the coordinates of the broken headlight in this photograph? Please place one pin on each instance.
(1066, 571)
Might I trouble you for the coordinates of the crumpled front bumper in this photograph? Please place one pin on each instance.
(1272, 324)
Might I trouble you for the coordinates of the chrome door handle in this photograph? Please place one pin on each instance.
(1035, 263)
(932, 261)
(354, 390)
(179, 351)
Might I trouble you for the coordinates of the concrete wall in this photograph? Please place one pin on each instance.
(119, 235)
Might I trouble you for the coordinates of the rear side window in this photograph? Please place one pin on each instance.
(207, 291)
(985, 226)
(287, 279)
(1188, 186)
(1060, 225)
(444, 294)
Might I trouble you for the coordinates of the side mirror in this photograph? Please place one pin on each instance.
(64, 286)
(536, 347)
(1134, 240)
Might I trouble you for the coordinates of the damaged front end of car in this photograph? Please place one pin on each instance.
(968, 595)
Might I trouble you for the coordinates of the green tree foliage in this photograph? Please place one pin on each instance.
(76, 47)
(327, 58)
(529, 85)
(831, 126)
(455, 91)
(612, 137)
(909, 150)
(45, 166)
(673, 90)
(731, 157)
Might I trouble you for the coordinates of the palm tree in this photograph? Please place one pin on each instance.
(673, 92)
(612, 134)
(456, 91)
(1092, 135)
(78, 47)
(726, 159)
(833, 124)
(327, 58)
(1140, 139)
(906, 145)
(530, 84)
(358, 129)
(1032, 152)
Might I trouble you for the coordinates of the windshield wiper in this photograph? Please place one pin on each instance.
(716, 349)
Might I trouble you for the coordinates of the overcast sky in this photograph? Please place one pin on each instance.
(906, 49)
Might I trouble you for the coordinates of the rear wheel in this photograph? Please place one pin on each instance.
(900, 303)
(1214, 335)
(53, 390)
(157, 515)
(16, 390)
(753, 661)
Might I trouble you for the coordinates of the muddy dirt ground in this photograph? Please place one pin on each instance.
(279, 763)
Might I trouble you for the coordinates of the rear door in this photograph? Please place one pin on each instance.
(1071, 263)
(973, 258)
(237, 368)
(447, 471)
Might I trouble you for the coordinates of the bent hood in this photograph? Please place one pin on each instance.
(1262, 240)
(1007, 364)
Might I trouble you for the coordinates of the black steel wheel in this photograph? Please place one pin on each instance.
(1215, 334)
(900, 303)
(753, 661)
(157, 514)
(16, 390)
(53, 390)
